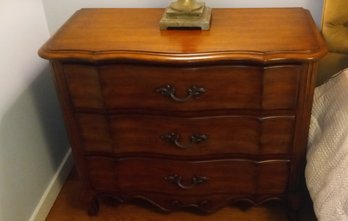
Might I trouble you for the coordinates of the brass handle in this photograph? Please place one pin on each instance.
(173, 138)
(177, 180)
(192, 92)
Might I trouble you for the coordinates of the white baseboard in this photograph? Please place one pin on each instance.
(49, 196)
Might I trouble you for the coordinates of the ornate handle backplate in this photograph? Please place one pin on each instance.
(173, 138)
(177, 180)
(192, 92)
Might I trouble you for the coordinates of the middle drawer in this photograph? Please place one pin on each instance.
(185, 136)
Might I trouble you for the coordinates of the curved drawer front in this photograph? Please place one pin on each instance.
(234, 176)
(135, 87)
(186, 136)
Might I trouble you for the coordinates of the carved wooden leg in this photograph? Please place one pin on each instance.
(90, 201)
(293, 215)
(294, 204)
(93, 207)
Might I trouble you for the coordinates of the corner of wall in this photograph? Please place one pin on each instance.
(56, 184)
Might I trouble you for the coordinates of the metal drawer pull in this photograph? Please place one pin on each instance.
(177, 180)
(173, 138)
(192, 92)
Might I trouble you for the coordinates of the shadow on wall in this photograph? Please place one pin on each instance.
(50, 116)
(33, 143)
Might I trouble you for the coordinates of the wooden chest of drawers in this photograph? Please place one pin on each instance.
(187, 117)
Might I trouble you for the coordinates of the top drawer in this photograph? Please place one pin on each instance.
(117, 86)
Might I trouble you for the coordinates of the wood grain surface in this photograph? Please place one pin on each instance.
(107, 34)
(68, 208)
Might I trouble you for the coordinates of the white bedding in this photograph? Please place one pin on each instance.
(327, 156)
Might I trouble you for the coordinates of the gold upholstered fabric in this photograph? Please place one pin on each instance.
(335, 32)
(335, 25)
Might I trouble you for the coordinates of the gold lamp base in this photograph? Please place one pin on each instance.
(186, 14)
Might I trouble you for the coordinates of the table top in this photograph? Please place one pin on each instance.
(255, 34)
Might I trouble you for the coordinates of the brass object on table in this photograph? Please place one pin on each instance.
(186, 14)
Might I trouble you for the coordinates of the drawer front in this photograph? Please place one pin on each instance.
(237, 177)
(186, 136)
(115, 87)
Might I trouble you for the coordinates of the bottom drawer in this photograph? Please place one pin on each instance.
(227, 176)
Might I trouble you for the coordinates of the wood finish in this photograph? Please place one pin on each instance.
(67, 207)
(187, 118)
(123, 134)
(267, 35)
(115, 87)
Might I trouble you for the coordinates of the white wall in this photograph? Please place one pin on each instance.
(58, 11)
(32, 137)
